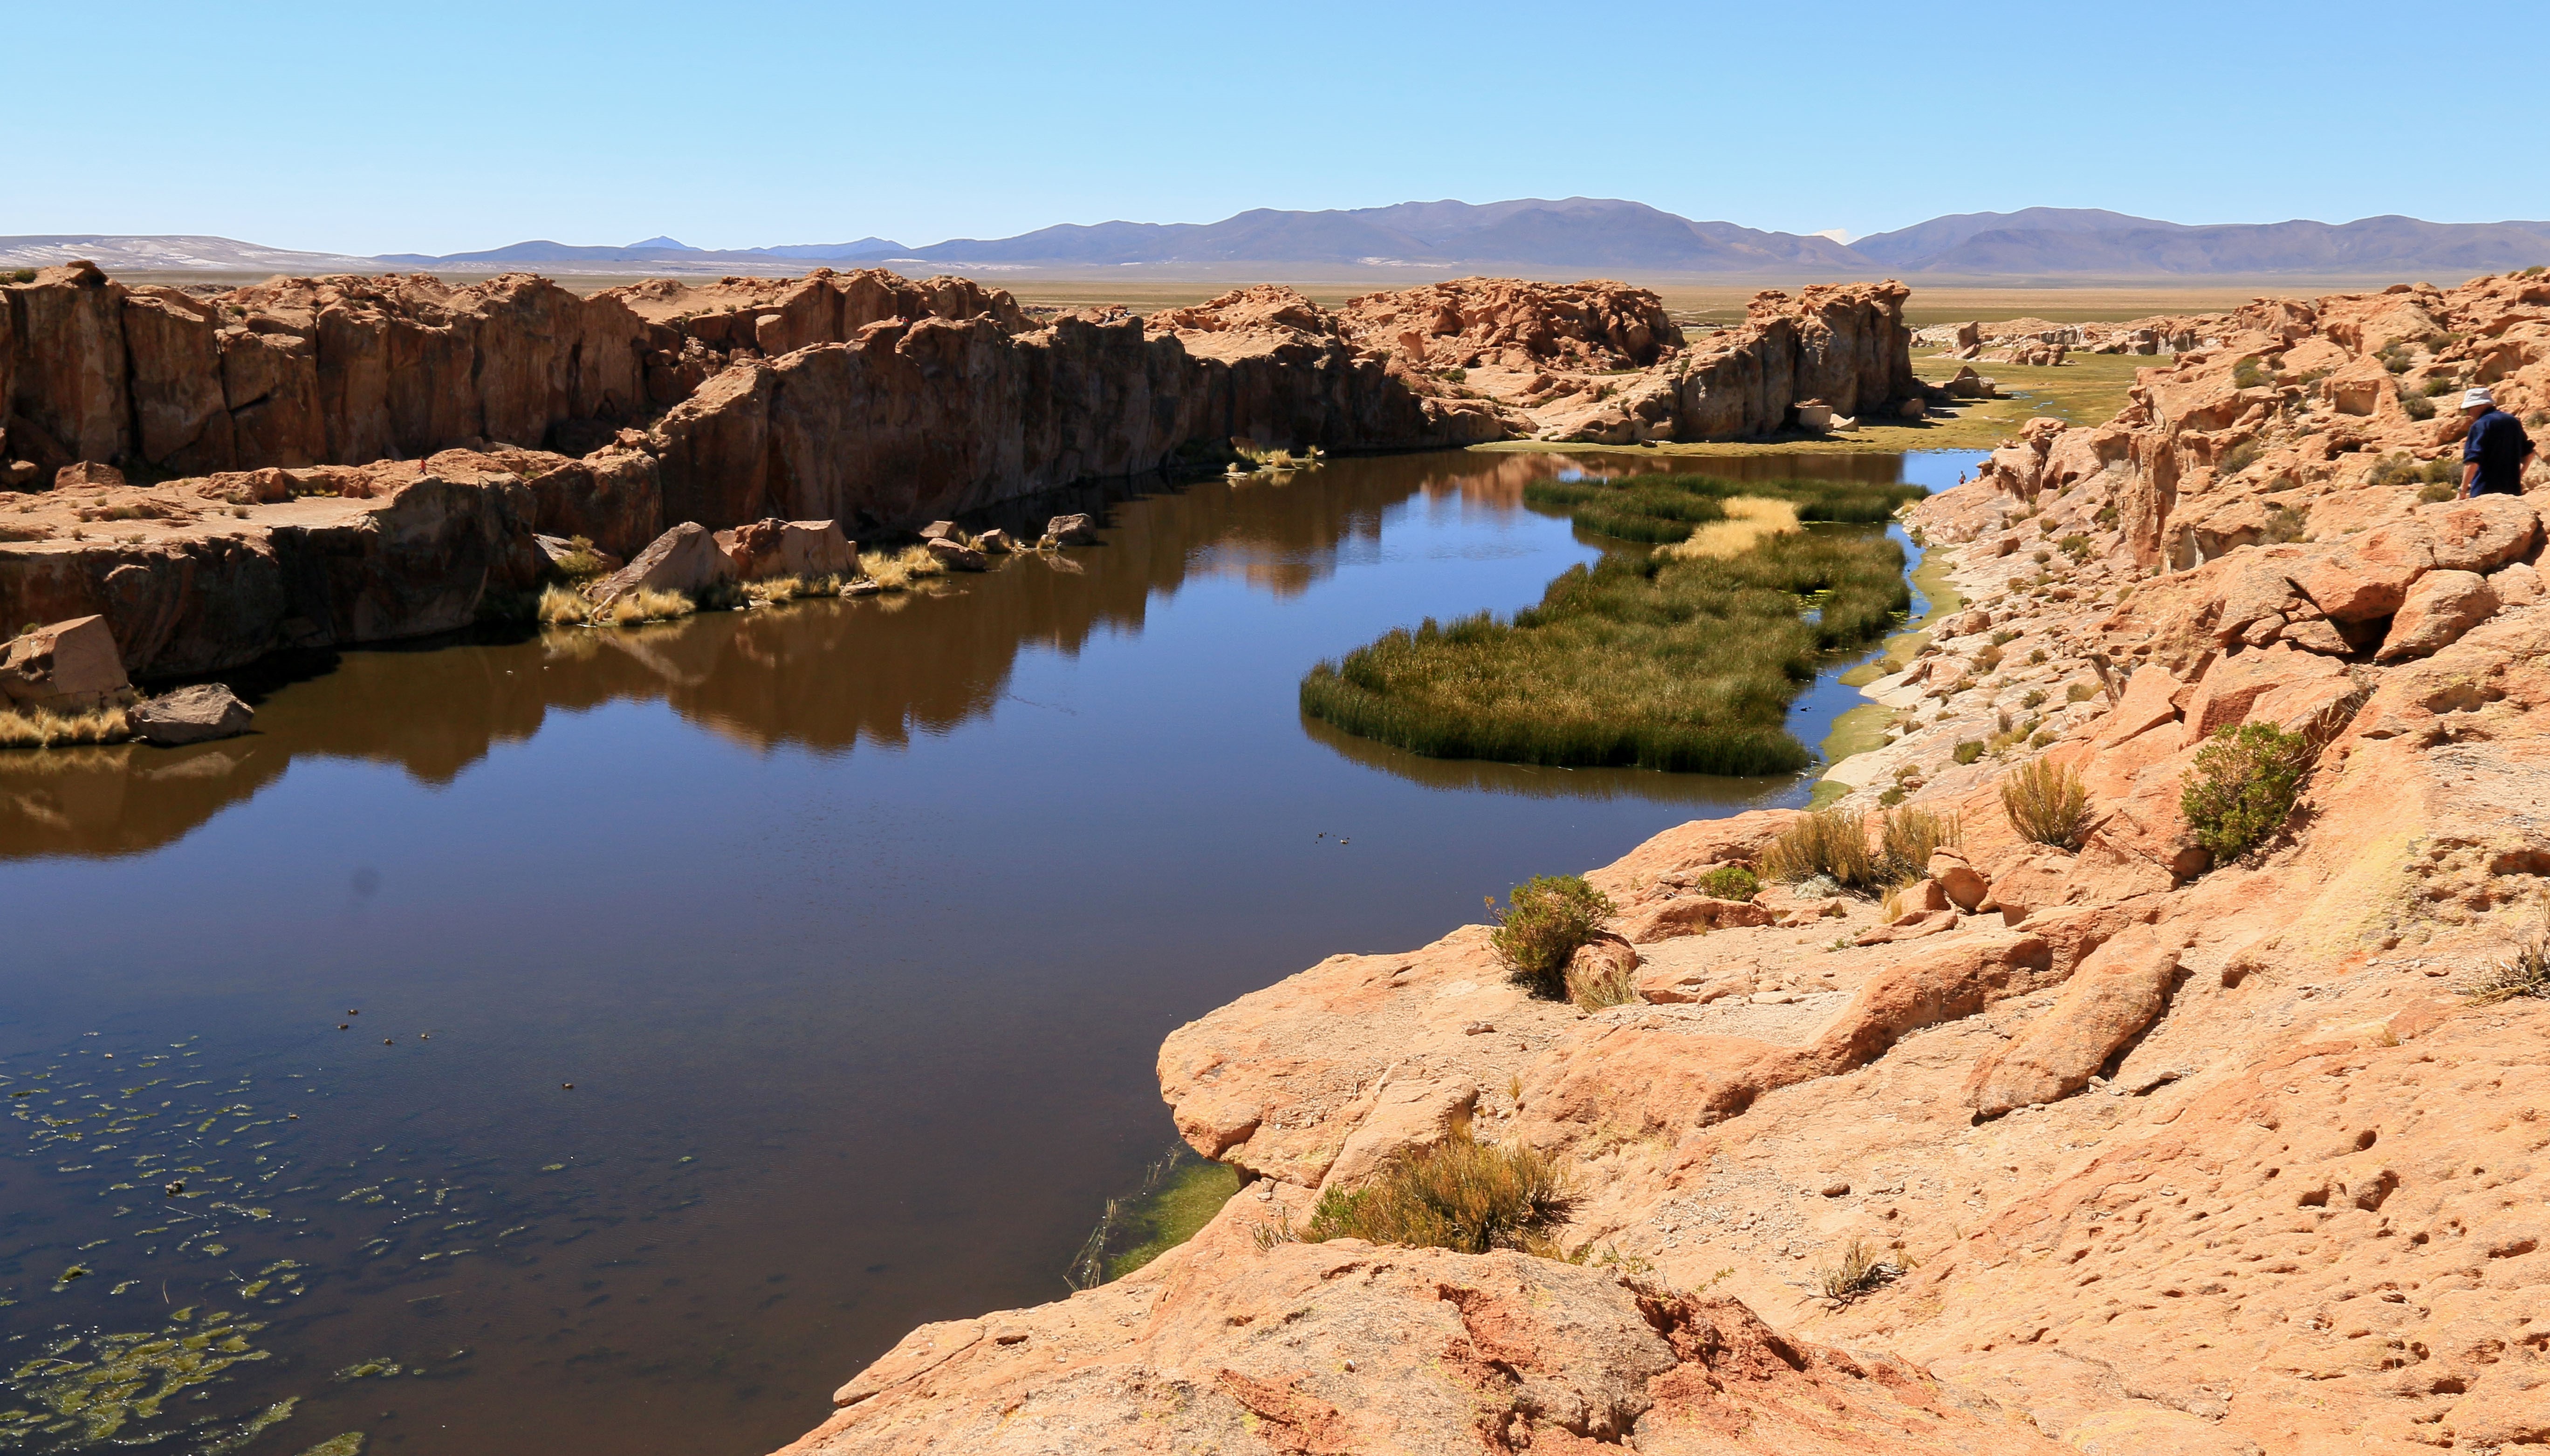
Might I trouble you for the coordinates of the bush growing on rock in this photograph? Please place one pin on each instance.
(1909, 838)
(2046, 804)
(1544, 922)
(1462, 1195)
(1969, 750)
(2243, 786)
(1828, 842)
(1730, 882)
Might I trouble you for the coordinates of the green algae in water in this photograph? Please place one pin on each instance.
(1178, 1194)
(348, 1444)
(1171, 1217)
(84, 1389)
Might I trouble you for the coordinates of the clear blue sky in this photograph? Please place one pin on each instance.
(366, 128)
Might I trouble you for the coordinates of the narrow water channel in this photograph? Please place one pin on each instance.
(608, 1041)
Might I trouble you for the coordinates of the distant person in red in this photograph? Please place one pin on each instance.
(2494, 453)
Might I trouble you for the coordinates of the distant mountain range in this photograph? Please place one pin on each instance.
(1418, 240)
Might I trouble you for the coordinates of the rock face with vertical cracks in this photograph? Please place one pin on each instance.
(863, 398)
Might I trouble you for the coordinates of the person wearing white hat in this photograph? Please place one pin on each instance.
(2493, 452)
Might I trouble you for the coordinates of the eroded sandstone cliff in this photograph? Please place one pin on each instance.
(2161, 1154)
(859, 398)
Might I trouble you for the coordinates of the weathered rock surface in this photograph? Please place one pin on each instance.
(193, 583)
(190, 715)
(1345, 1347)
(687, 559)
(71, 666)
(2249, 1174)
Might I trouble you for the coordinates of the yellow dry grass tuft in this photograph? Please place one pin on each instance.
(2046, 804)
(644, 605)
(1748, 519)
(561, 606)
(1828, 842)
(33, 727)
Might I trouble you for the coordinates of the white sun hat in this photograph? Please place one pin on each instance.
(2478, 398)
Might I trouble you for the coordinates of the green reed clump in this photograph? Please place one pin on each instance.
(1647, 660)
(1461, 1195)
(1664, 509)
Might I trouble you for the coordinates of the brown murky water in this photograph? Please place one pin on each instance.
(855, 927)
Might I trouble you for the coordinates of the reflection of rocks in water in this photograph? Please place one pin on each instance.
(125, 798)
(824, 674)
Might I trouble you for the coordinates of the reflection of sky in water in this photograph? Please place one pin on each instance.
(856, 927)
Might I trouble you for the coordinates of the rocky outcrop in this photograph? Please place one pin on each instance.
(1523, 324)
(204, 575)
(2153, 1153)
(1345, 1348)
(862, 399)
(1555, 356)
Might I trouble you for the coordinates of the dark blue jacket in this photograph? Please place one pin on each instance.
(2497, 441)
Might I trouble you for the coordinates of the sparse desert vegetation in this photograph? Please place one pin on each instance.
(1461, 1193)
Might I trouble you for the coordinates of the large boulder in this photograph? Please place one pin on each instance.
(2370, 575)
(685, 559)
(2440, 608)
(71, 666)
(817, 548)
(191, 715)
(2482, 534)
(2115, 993)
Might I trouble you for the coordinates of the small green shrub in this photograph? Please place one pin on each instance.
(2243, 786)
(2107, 515)
(2004, 638)
(2441, 384)
(2242, 458)
(2430, 494)
(1543, 922)
(1828, 842)
(1730, 882)
(583, 563)
(2285, 524)
(1461, 1195)
(2033, 697)
(2079, 693)
(1455, 376)
(2415, 408)
(2076, 546)
(2247, 374)
(1969, 750)
(1988, 660)
(2046, 804)
(1909, 838)
(2395, 358)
